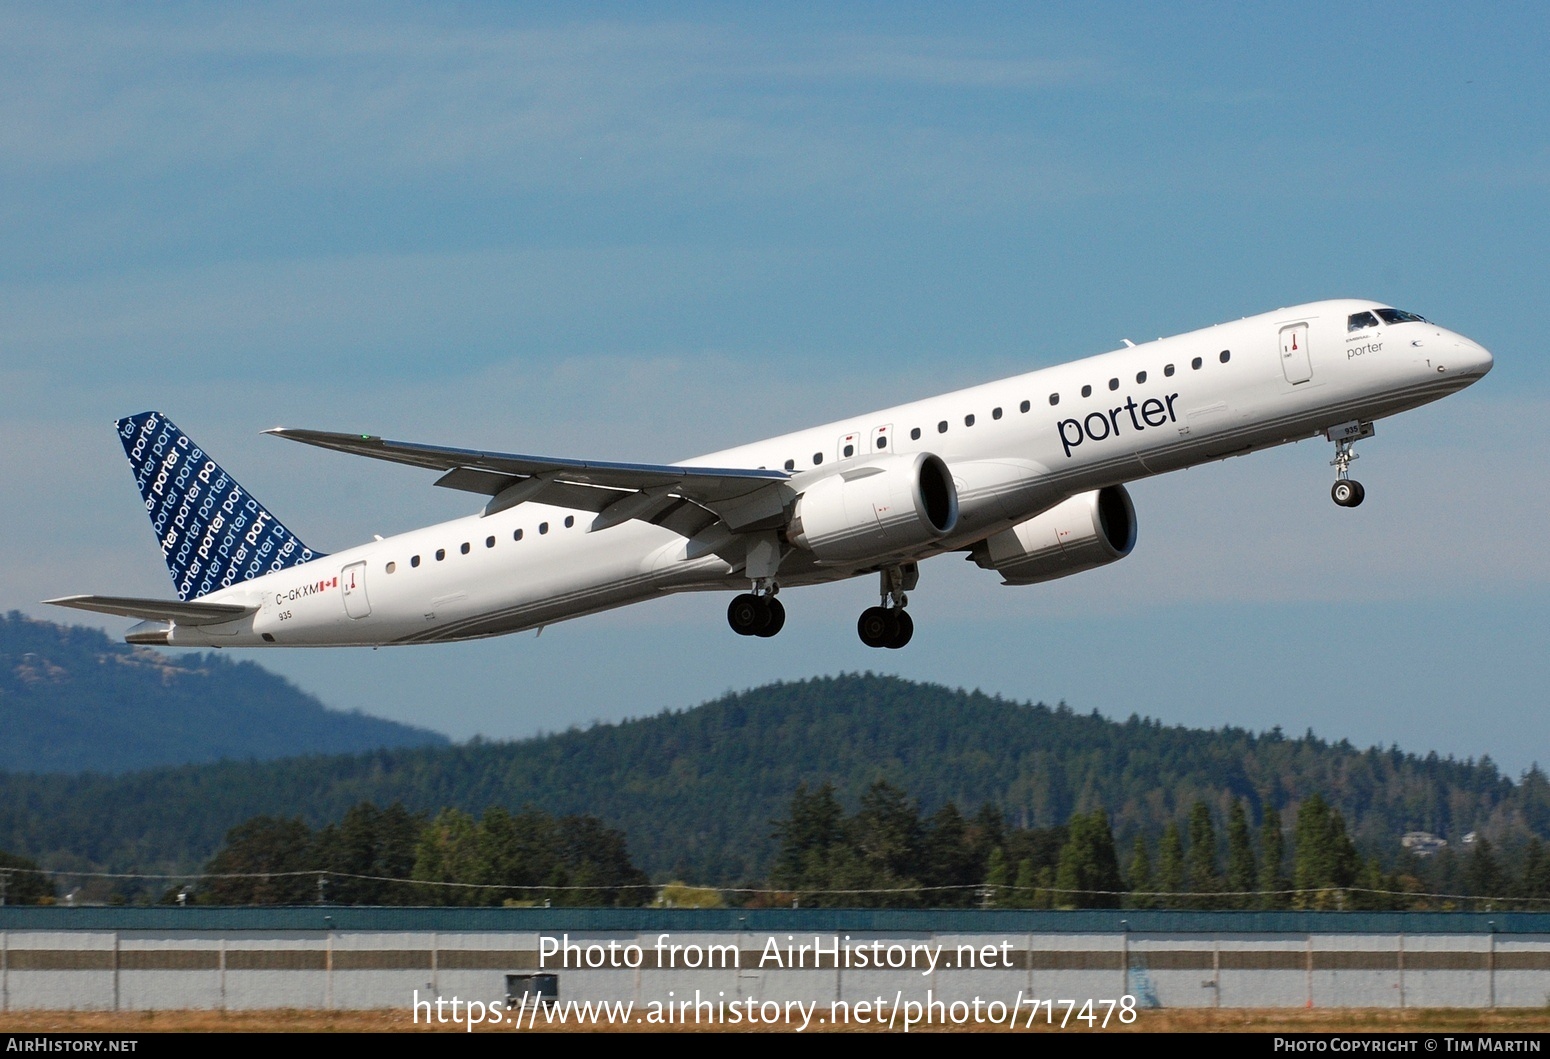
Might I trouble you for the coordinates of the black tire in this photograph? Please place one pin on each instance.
(1343, 492)
(777, 618)
(906, 630)
(747, 614)
(875, 627)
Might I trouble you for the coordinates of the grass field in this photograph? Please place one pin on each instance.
(1355, 1020)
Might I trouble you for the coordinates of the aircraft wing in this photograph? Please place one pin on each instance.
(615, 491)
(194, 613)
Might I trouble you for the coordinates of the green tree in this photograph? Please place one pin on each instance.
(365, 848)
(1027, 893)
(1484, 874)
(1088, 874)
(1204, 878)
(1272, 844)
(448, 853)
(998, 880)
(1534, 881)
(596, 858)
(886, 830)
(23, 882)
(947, 860)
(265, 861)
(1242, 871)
(1325, 862)
(1170, 866)
(812, 827)
(1140, 876)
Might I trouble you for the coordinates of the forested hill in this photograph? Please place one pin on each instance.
(696, 790)
(71, 700)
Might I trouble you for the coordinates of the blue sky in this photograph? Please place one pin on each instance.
(645, 233)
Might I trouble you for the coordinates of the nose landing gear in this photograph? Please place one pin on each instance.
(888, 625)
(1346, 491)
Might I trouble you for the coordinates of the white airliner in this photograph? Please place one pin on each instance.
(1025, 476)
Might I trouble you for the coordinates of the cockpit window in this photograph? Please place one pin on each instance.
(1357, 321)
(1399, 316)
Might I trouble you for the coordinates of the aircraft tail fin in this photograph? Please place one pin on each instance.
(213, 533)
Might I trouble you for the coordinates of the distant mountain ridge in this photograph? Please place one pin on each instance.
(696, 790)
(71, 700)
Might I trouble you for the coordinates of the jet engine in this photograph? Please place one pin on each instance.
(879, 508)
(1084, 532)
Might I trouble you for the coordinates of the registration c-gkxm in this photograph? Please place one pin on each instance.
(1025, 476)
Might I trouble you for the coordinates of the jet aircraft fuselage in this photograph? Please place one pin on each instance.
(1025, 475)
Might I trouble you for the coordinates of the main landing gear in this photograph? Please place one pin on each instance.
(888, 625)
(1347, 492)
(757, 613)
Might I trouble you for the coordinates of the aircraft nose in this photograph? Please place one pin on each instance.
(1472, 358)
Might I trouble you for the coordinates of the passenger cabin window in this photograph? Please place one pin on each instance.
(1360, 321)
(516, 535)
(941, 428)
(414, 560)
(489, 542)
(1398, 316)
(1087, 391)
(817, 458)
(391, 567)
(968, 421)
(543, 527)
(1054, 398)
(464, 549)
(1140, 377)
(1225, 356)
(441, 553)
(791, 465)
(995, 413)
(915, 434)
(850, 450)
(1168, 370)
(1113, 384)
(882, 441)
(570, 520)
(1196, 363)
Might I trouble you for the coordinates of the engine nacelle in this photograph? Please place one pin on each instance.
(1087, 531)
(885, 506)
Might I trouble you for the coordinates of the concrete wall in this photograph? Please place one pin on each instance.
(259, 961)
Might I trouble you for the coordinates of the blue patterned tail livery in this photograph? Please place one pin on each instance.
(212, 532)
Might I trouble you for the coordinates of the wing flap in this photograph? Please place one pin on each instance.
(188, 614)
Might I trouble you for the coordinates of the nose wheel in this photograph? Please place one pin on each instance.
(1347, 492)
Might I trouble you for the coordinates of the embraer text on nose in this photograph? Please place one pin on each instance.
(1096, 426)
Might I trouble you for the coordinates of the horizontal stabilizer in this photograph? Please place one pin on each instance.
(157, 609)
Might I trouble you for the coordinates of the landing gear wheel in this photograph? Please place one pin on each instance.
(906, 630)
(1347, 493)
(749, 615)
(878, 626)
(777, 617)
